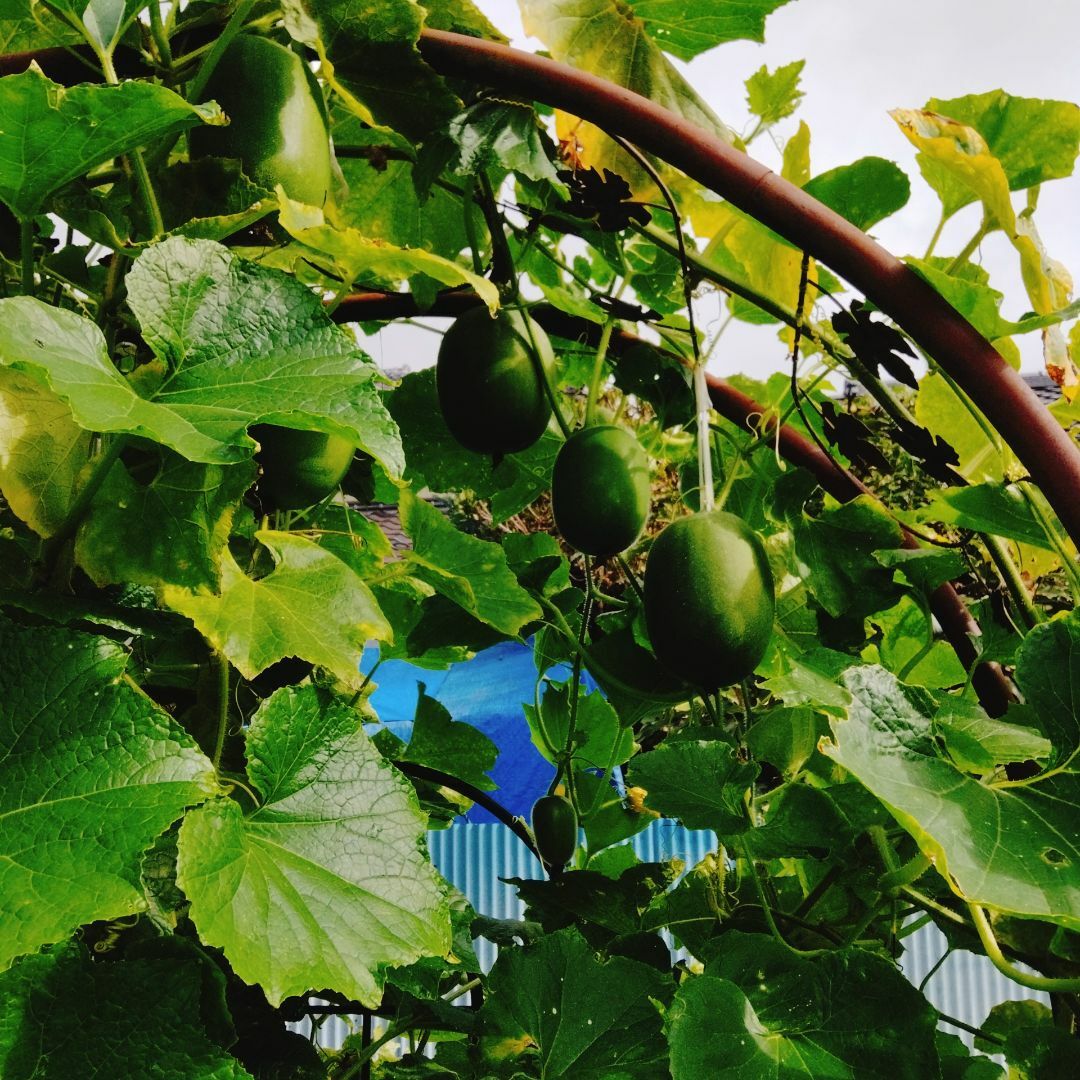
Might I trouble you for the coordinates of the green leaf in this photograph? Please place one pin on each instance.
(686, 29)
(170, 530)
(980, 304)
(924, 569)
(26, 26)
(977, 743)
(943, 414)
(958, 1063)
(589, 1020)
(865, 192)
(244, 344)
(606, 38)
(501, 134)
(51, 134)
(471, 572)
(91, 771)
(103, 20)
(64, 1016)
(702, 783)
(358, 257)
(42, 452)
(834, 551)
(325, 882)
(1011, 847)
(237, 344)
(600, 741)
(999, 509)
(311, 605)
(450, 746)
(383, 204)
(1048, 674)
(369, 56)
(1034, 139)
(760, 1012)
(772, 95)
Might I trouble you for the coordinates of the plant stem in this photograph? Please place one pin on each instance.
(221, 670)
(598, 369)
(82, 501)
(26, 245)
(1014, 583)
(969, 248)
(766, 908)
(911, 871)
(631, 577)
(1010, 971)
(481, 798)
(206, 69)
(953, 1022)
(936, 237)
(545, 378)
(161, 39)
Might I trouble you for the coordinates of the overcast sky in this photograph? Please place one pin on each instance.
(865, 57)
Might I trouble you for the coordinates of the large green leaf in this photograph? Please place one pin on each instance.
(761, 1013)
(1011, 846)
(42, 452)
(990, 508)
(325, 882)
(589, 1020)
(369, 56)
(686, 29)
(504, 135)
(49, 135)
(64, 1016)
(702, 783)
(242, 343)
(237, 344)
(170, 527)
(471, 572)
(311, 605)
(606, 38)
(90, 772)
(865, 192)
(980, 304)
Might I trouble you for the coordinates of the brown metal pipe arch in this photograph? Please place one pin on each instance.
(1036, 438)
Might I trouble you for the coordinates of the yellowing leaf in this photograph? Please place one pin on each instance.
(606, 38)
(356, 256)
(961, 154)
(42, 451)
(311, 606)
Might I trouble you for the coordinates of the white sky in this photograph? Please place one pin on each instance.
(864, 57)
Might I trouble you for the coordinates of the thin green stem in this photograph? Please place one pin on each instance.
(598, 369)
(910, 872)
(206, 69)
(542, 371)
(766, 908)
(161, 38)
(1014, 583)
(221, 704)
(969, 248)
(931, 904)
(936, 237)
(471, 236)
(631, 577)
(953, 1022)
(1009, 970)
(90, 488)
(26, 244)
(503, 272)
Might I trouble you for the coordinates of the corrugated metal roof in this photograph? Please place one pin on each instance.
(474, 857)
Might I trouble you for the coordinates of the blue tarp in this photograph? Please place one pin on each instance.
(487, 692)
